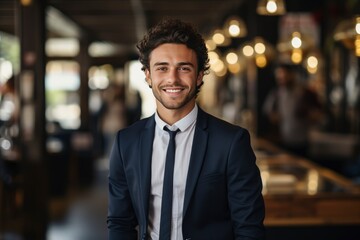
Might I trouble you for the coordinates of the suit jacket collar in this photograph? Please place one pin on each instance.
(146, 145)
(197, 156)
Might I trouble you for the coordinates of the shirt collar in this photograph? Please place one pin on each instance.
(182, 124)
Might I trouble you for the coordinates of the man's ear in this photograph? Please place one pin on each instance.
(148, 77)
(199, 80)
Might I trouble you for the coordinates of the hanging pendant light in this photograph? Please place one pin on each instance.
(297, 52)
(259, 50)
(220, 38)
(357, 37)
(348, 32)
(271, 7)
(235, 27)
(294, 47)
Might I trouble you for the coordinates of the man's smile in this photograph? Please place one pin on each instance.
(173, 90)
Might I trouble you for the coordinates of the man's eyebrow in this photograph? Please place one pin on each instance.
(185, 63)
(160, 63)
(178, 64)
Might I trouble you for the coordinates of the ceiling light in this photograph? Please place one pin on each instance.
(348, 32)
(26, 2)
(357, 26)
(210, 44)
(357, 38)
(235, 27)
(231, 58)
(220, 38)
(248, 50)
(271, 7)
(312, 64)
(259, 50)
(296, 41)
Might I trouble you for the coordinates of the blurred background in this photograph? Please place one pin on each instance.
(287, 70)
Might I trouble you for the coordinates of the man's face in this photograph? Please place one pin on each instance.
(173, 76)
(283, 76)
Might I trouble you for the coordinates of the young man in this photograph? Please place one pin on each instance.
(293, 109)
(216, 189)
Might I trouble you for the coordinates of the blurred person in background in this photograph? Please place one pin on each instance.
(113, 114)
(8, 126)
(292, 110)
(8, 101)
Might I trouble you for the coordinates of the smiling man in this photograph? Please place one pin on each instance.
(182, 173)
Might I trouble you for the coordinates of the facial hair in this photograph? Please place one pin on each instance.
(175, 104)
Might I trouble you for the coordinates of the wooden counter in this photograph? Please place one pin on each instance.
(299, 192)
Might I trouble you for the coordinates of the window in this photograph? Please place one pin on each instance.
(62, 83)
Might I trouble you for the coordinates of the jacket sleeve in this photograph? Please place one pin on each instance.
(245, 190)
(121, 219)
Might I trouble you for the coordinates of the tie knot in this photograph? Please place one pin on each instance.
(172, 133)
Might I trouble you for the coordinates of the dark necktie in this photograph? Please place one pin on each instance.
(166, 204)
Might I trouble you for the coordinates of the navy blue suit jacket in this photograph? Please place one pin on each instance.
(223, 198)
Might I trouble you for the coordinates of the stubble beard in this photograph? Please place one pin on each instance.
(174, 105)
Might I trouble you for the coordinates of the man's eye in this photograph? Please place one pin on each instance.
(186, 69)
(162, 69)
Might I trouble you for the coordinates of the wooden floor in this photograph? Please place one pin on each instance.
(85, 214)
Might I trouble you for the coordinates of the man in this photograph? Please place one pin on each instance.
(293, 109)
(216, 191)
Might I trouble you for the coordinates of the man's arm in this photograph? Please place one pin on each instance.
(244, 190)
(121, 218)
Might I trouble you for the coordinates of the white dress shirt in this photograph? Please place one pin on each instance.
(184, 141)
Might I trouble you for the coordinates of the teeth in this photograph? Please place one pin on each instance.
(173, 90)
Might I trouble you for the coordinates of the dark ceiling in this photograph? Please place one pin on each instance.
(123, 22)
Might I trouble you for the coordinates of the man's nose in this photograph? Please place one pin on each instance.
(172, 76)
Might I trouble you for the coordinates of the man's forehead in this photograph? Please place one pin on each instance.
(170, 51)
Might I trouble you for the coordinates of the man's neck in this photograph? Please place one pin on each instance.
(171, 116)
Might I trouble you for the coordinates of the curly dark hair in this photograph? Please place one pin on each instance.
(173, 31)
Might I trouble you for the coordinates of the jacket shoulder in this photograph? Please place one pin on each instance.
(218, 124)
(135, 129)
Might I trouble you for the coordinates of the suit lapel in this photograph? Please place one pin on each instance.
(146, 144)
(197, 157)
